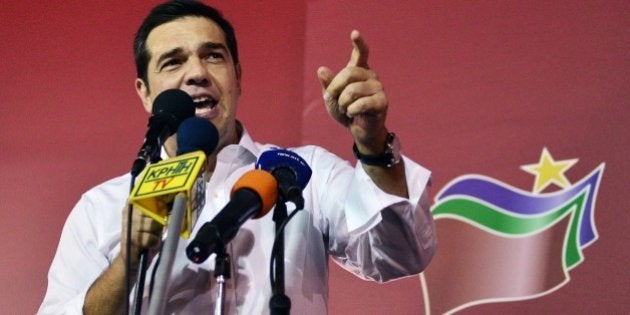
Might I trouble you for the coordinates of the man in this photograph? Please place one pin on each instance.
(372, 219)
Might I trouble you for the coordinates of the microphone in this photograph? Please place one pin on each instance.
(196, 138)
(196, 134)
(170, 108)
(253, 195)
(290, 170)
(162, 181)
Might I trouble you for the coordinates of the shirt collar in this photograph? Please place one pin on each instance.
(246, 143)
(245, 150)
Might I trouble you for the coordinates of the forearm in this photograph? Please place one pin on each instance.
(391, 180)
(107, 293)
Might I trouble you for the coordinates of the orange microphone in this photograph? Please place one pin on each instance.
(253, 196)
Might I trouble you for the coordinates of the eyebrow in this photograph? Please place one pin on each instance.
(178, 50)
(169, 54)
(213, 46)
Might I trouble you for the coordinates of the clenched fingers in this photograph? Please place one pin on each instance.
(361, 97)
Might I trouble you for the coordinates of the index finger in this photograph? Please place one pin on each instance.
(360, 51)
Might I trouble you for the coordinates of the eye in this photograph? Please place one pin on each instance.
(215, 57)
(170, 64)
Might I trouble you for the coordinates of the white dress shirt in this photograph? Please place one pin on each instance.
(374, 235)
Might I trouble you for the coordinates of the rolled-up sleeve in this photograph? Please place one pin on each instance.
(379, 236)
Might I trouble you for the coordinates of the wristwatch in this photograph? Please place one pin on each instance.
(389, 158)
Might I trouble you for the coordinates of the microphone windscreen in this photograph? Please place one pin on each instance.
(263, 184)
(195, 134)
(278, 158)
(176, 103)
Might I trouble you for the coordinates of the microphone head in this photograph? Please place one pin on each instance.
(176, 105)
(263, 184)
(195, 134)
(278, 158)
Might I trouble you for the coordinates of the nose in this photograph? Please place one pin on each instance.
(197, 73)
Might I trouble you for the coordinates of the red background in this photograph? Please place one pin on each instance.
(474, 87)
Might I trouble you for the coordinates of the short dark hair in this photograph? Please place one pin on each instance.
(170, 11)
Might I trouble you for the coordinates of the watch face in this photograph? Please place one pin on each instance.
(395, 148)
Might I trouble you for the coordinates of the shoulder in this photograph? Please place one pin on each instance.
(113, 189)
(97, 215)
(106, 198)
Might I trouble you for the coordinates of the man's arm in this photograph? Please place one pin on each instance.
(402, 241)
(107, 294)
(355, 98)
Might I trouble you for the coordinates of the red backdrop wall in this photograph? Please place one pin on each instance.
(474, 87)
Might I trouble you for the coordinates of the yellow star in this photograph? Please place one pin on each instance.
(548, 171)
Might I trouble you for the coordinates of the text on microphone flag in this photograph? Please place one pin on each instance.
(162, 181)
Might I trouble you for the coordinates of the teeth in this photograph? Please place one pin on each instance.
(201, 99)
(204, 101)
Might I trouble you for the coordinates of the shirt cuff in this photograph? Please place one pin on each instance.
(365, 200)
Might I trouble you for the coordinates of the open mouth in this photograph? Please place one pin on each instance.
(204, 106)
(204, 101)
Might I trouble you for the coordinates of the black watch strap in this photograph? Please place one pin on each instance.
(388, 158)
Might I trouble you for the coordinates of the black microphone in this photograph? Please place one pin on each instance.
(290, 170)
(170, 108)
(253, 195)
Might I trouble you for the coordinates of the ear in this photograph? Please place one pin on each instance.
(145, 95)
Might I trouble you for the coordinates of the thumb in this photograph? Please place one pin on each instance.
(325, 76)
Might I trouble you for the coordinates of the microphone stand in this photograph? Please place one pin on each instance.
(157, 300)
(138, 166)
(280, 303)
(142, 272)
(221, 273)
(128, 250)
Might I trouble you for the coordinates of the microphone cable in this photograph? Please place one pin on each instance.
(274, 248)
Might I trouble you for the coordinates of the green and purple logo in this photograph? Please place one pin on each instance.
(501, 243)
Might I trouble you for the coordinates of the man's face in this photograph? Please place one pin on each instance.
(191, 54)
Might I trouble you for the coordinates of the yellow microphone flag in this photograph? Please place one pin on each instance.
(162, 181)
